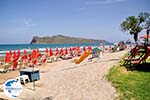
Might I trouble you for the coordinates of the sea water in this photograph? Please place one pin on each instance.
(29, 47)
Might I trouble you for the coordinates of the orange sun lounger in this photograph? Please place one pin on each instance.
(86, 54)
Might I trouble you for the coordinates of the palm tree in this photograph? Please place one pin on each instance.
(146, 25)
(146, 17)
(133, 26)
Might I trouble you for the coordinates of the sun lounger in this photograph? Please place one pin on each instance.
(132, 55)
(66, 57)
(142, 59)
(95, 55)
(5, 68)
(15, 65)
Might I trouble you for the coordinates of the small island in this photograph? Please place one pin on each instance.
(60, 39)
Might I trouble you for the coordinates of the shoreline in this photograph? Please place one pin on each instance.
(43, 47)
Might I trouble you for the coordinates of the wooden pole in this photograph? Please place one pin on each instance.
(33, 79)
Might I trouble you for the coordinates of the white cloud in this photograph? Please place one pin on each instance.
(82, 8)
(28, 22)
(97, 2)
(22, 22)
(89, 3)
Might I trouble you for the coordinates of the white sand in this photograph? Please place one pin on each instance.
(65, 80)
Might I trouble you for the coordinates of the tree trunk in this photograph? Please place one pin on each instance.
(147, 32)
(136, 38)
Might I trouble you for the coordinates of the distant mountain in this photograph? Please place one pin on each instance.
(60, 39)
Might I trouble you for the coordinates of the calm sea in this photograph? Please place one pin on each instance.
(6, 47)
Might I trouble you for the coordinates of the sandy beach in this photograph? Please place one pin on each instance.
(65, 80)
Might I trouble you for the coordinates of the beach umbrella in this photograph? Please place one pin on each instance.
(103, 46)
(34, 54)
(7, 58)
(66, 51)
(61, 51)
(10, 53)
(78, 48)
(145, 36)
(38, 50)
(89, 48)
(34, 62)
(25, 52)
(15, 56)
(74, 48)
(44, 60)
(84, 49)
(56, 51)
(24, 57)
(110, 46)
(79, 51)
(29, 57)
(70, 49)
(19, 53)
(46, 50)
(38, 53)
(51, 52)
(15, 64)
(97, 50)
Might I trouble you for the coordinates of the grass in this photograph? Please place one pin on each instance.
(131, 84)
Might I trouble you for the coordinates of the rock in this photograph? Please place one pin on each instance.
(60, 39)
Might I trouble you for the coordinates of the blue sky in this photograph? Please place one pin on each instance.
(20, 20)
